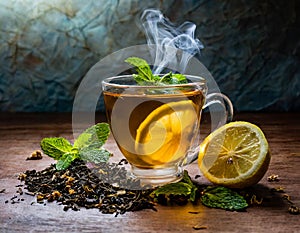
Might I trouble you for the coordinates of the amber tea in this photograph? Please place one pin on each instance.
(161, 127)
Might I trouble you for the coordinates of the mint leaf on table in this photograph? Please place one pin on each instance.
(65, 161)
(145, 76)
(87, 147)
(89, 143)
(185, 187)
(186, 178)
(56, 147)
(223, 198)
(179, 188)
(95, 155)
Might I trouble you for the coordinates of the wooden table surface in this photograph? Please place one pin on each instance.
(20, 134)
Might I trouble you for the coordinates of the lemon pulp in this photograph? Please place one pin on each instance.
(235, 155)
(167, 133)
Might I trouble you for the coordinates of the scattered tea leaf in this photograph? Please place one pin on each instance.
(224, 198)
(273, 178)
(198, 227)
(294, 210)
(278, 189)
(35, 155)
(255, 201)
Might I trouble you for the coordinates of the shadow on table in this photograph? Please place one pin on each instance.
(264, 196)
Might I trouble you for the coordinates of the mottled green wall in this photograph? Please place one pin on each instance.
(252, 48)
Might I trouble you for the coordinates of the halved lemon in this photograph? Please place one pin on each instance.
(166, 133)
(235, 155)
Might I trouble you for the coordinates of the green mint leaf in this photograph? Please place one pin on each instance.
(224, 198)
(171, 78)
(179, 188)
(95, 155)
(186, 178)
(86, 147)
(56, 147)
(184, 187)
(146, 77)
(89, 143)
(167, 78)
(96, 135)
(193, 194)
(180, 78)
(143, 69)
(65, 161)
(140, 80)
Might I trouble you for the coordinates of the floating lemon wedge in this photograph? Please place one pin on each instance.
(235, 155)
(166, 133)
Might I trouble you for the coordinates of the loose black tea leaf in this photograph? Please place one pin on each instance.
(35, 155)
(90, 187)
(294, 210)
(273, 178)
(198, 227)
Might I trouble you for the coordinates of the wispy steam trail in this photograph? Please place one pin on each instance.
(164, 34)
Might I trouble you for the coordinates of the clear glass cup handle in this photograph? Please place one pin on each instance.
(221, 110)
(224, 101)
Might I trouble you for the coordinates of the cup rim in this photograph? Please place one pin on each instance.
(106, 82)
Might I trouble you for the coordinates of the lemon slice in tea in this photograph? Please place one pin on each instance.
(235, 155)
(166, 133)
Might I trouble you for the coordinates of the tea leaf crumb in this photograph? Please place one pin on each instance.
(294, 210)
(254, 200)
(199, 227)
(273, 178)
(35, 155)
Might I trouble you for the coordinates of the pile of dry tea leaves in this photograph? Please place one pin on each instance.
(89, 187)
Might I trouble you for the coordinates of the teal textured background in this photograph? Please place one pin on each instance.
(252, 48)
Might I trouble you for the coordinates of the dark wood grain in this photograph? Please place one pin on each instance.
(20, 134)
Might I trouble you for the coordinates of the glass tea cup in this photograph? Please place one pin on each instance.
(157, 127)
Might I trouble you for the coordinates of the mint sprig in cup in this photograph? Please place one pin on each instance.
(145, 76)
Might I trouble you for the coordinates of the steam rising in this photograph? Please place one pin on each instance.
(164, 34)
